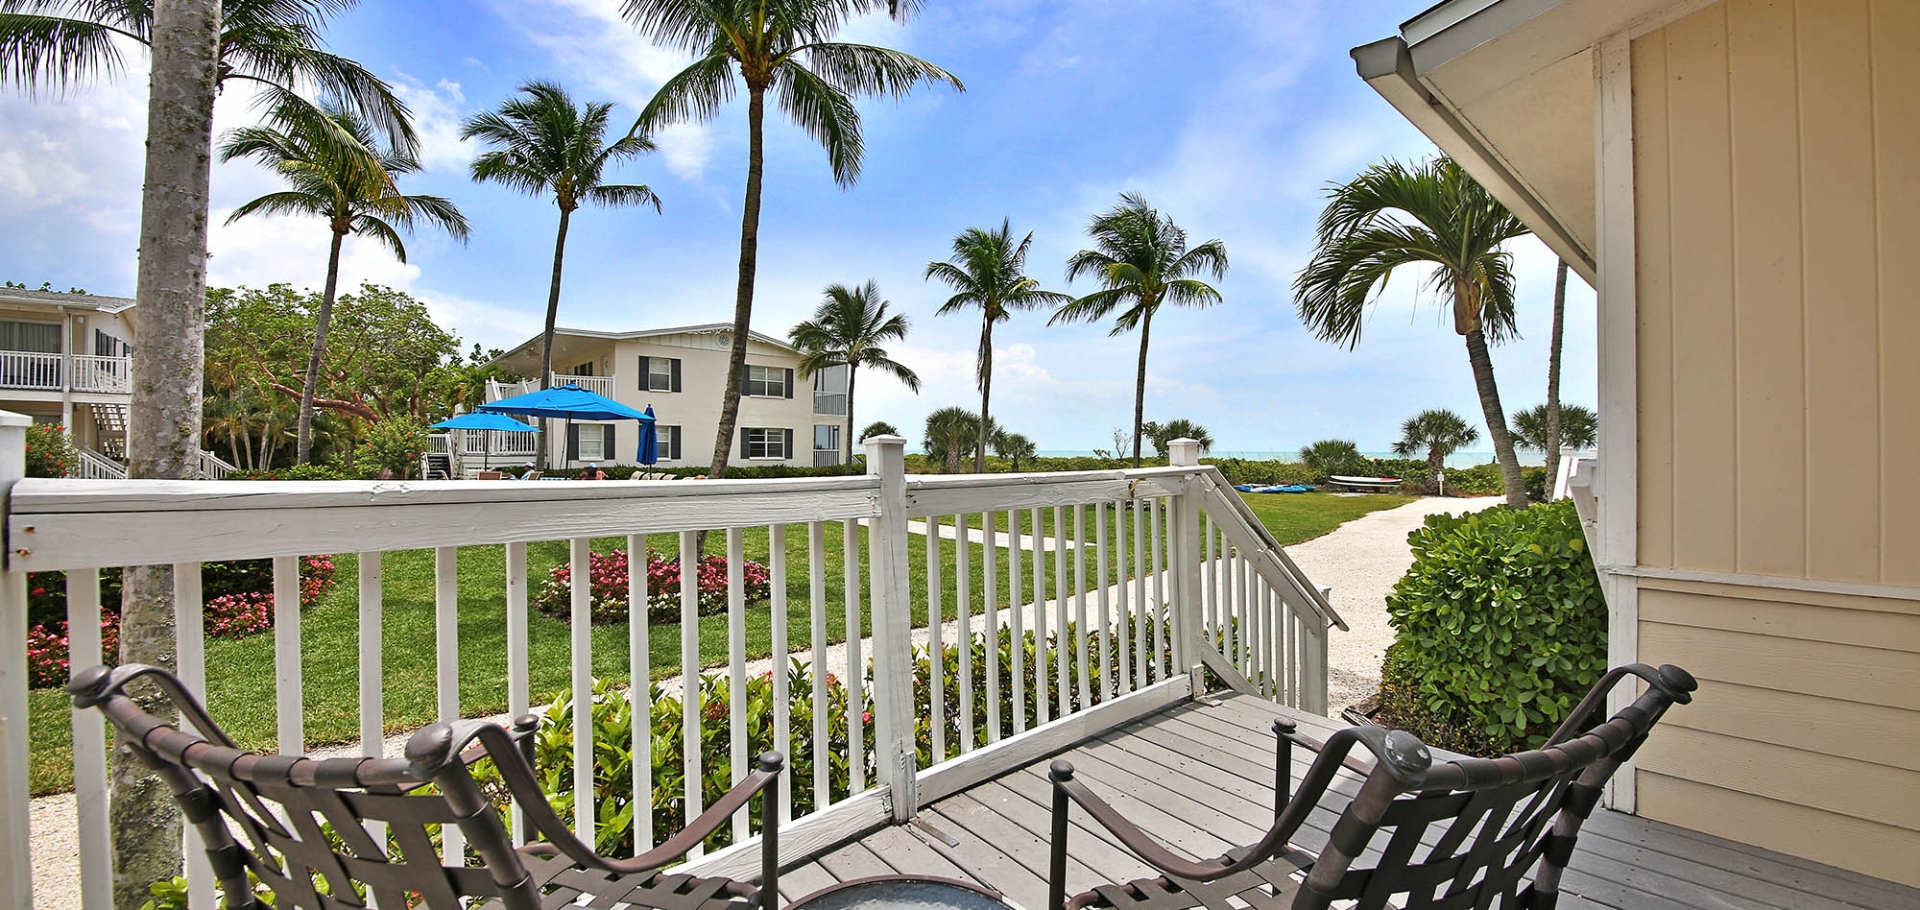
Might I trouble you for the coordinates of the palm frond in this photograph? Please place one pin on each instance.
(378, 229)
(693, 95)
(827, 114)
(624, 194)
(1091, 308)
(282, 203)
(55, 52)
(865, 70)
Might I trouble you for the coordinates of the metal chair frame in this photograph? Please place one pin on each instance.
(1504, 817)
(284, 807)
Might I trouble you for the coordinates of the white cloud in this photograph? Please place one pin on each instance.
(438, 110)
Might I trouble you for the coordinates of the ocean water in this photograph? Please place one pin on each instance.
(1456, 460)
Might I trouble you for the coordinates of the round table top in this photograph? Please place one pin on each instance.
(901, 892)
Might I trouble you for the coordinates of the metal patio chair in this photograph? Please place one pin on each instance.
(1462, 834)
(302, 823)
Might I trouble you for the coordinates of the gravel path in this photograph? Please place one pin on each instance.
(1361, 561)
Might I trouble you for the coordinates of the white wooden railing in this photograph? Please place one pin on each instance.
(44, 372)
(95, 466)
(599, 385)
(102, 374)
(1181, 586)
(29, 370)
(213, 467)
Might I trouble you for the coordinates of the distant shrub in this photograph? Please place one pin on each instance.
(50, 453)
(1501, 623)
(394, 444)
(295, 472)
(1537, 482)
(608, 573)
(1335, 456)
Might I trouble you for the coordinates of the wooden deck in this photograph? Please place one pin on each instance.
(1200, 776)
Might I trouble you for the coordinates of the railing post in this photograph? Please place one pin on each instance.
(1184, 563)
(16, 865)
(887, 556)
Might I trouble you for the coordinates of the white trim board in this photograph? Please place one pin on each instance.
(1777, 582)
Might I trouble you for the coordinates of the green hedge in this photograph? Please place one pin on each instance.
(1500, 626)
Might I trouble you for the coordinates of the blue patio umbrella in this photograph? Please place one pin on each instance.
(568, 402)
(649, 453)
(480, 420)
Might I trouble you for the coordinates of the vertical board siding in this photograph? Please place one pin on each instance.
(1896, 137)
(1653, 292)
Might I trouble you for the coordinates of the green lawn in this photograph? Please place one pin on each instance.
(240, 673)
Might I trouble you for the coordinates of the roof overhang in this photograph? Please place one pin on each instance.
(1506, 88)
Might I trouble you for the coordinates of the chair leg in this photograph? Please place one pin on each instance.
(1282, 766)
(1060, 771)
(770, 762)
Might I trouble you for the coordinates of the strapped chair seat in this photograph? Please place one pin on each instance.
(1495, 821)
(302, 823)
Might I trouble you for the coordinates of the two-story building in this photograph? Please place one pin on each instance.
(68, 359)
(784, 419)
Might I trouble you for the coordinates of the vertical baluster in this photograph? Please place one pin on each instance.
(737, 672)
(639, 690)
(1042, 710)
(1272, 647)
(1210, 578)
(1062, 657)
(856, 667)
(89, 743)
(580, 663)
(690, 707)
(1141, 634)
(1123, 603)
(190, 644)
(963, 612)
(1258, 631)
(1230, 599)
(1249, 598)
(1101, 604)
(372, 714)
(286, 655)
(782, 660)
(936, 650)
(989, 582)
(1016, 603)
(1080, 655)
(517, 695)
(1156, 509)
(817, 659)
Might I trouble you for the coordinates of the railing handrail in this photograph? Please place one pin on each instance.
(96, 466)
(1272, 558)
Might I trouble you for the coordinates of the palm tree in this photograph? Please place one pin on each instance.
(847, 330)
(948, 434)
(1433, 215)
(274, 44)
(1334, 456)
(543, 144)
(353, 190)
(784, 48)
(1440, 433)
(877, 428)
(1552, 440)
(1013, 446)
(1141, 261)
(988, 270)
(1162, 435)
(1579, 427)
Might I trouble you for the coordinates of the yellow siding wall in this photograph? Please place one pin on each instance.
(1777, 170)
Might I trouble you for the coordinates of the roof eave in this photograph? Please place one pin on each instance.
(1388, 66)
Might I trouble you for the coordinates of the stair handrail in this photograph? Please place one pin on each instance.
(1269, 557)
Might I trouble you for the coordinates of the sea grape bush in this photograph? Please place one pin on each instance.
(1500, 626)
(238, 603)
(608, 573)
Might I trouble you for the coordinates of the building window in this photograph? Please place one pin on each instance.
(826, 437)
(669, 443)
(767, 382)
(593, 439)
(767, 442)
(32, 337)
(660, 374)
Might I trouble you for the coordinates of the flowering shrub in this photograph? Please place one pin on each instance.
(49, 452)
(608, 574)
(239, 603)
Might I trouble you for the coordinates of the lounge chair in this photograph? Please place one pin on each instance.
(1501, 818)
(288, 807)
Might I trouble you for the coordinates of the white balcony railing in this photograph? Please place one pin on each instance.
(1180, 576)
(102, 374)
(599, 385)
(832, 404)
(43, 372)
(27, 370)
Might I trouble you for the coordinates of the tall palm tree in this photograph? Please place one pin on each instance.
(543, 144)
(1552, 440)
(1439, 433)
(1430, 215)
(353, 190)
(949, 432)
(786, 48)
(273, 44)
(1162, 435)
(1579, 427)
(1013, 446)
(988, 271)
(1141, 260)
(847, 330)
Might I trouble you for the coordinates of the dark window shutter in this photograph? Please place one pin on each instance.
(573, 442)
(674, 440)
(676, 374)
(743, 442)
(606, 443)
(789, 388)
(646, 373)
(746, 385)
(786, 441)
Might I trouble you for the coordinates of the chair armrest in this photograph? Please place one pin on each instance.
(1140, 842)
(682, 842)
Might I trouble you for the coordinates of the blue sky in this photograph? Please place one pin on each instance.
(1230, 115)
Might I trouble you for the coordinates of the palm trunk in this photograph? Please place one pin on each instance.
(852, 373)
(1553, 365)
(1510, 481)
(546, 337)
(303, 443)
(163, 437)
(1140, 384)
(749, 264)
(986, 392)
(1435, 463)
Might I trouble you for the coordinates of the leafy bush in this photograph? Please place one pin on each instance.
(395, 444)
(1335, 456)
(608, 574)
(1479, 480)
(1500, 622)
(47, 651)
(1537, 482)
(50, 453)
(295, 472)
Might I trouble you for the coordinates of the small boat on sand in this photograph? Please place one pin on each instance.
(1363, 483)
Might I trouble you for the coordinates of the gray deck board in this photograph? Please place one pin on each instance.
(1199, 776)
